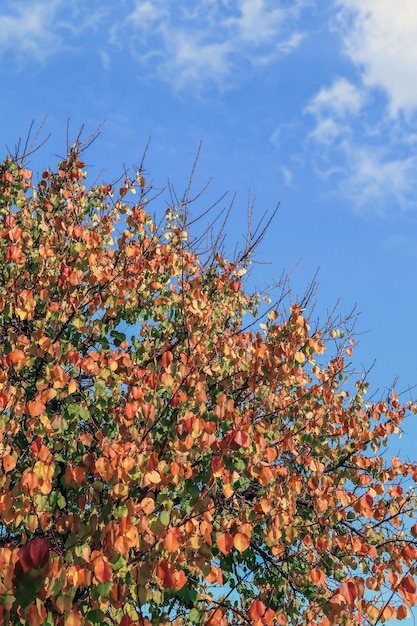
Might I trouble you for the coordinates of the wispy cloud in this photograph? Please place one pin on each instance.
(358, 139)
(26, 31)
(186, 44)
(380, 37)
(39, 29)
(378, 182)
(375, 175)
(400, 245)
(209, 42)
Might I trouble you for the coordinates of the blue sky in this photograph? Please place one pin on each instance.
(310, 103)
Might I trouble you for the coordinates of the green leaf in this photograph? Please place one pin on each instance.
(96, 617)
(195, 616)
(164, 518)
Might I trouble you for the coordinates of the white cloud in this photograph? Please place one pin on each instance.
(341, 99)
(257, 21)
(334, 108)
(327, 131)
(380, 37)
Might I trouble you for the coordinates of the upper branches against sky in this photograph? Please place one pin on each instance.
(347, 99)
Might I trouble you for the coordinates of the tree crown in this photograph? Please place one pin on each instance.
(161, 461)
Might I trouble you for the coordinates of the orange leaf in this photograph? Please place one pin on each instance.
(36, 408)
(257, 610)
(104, 468)
(241, 542)
(9, 463)
(180, 580)
(153, 477)
(224, 542)
(317, 576)
(408, 584)
(402, 612)
(75, 618)
(270, 616)
(102, 570)
(130, 410)
(228, 490)
(123, 544)
(34, 617)
(215, 575)
(216, 618)
(171, 541)
(166, 359)
(16, 356)
(72, 386)
(271, 454)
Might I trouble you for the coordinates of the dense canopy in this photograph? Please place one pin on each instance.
(167, 458)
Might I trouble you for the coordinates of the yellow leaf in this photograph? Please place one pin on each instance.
(153, 477)
(72, 386)
(299, 357)
(228, 490)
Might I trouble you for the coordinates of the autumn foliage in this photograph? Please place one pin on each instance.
(165, 458)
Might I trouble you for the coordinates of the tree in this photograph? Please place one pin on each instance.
(165, 460)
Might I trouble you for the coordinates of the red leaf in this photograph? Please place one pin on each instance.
(34, 555)
(165, 574)
(349, 591)
(36, 445)
(39, 551)
(241, 438)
